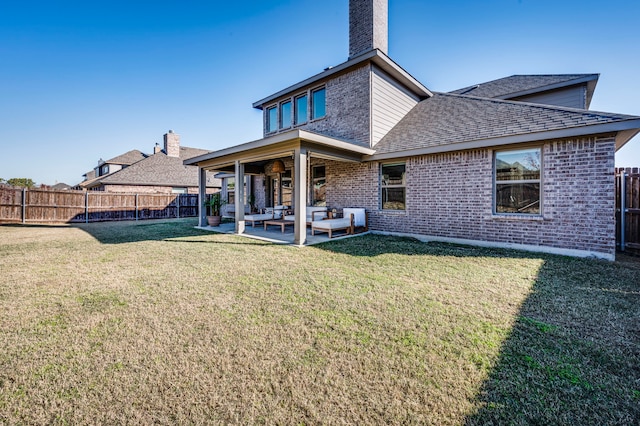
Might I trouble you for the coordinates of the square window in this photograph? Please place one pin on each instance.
(517, 181)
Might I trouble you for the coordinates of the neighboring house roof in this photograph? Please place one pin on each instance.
(128, 158)
(449, 122)
(521, 85)
(89, 183)
(162, 170)
(61, 186)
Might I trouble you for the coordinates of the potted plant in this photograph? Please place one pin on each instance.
(214, 203)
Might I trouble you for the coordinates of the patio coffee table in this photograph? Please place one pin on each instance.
(280, 222)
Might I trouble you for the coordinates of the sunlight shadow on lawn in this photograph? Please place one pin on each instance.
(573, 355)
(371, 245)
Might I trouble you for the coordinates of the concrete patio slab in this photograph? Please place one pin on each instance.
(273, 234)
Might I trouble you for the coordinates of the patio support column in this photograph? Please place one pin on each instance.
(300, 196)
(202, 193)
(239, 200)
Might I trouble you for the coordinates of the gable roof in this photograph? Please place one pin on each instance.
(522, 85)
(162, 170)
(449, 122)
(127, 158)
(374, 55)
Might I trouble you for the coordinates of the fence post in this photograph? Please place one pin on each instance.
(178, 206)
(86, 207)
(623, 208)
(24, 205)
(136, 206)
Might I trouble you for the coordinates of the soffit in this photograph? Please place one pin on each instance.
(281, 145)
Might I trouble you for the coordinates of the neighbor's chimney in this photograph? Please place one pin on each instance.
(157, 149)
(172, 144)
(368, 26)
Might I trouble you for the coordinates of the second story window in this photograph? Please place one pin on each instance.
(318, 103)
(272, 119)
(301, 110)
(296, 110)
(285, 114)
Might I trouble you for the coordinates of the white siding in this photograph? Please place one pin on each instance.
(572, 97)
(390, 103)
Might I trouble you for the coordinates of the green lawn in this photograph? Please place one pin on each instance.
(156, 322)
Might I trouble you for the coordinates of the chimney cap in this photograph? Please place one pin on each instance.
(170, 131)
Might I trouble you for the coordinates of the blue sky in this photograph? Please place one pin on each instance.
(80, 80)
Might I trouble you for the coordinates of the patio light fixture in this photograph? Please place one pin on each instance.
(278, 167)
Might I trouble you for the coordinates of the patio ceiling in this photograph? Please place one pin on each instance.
(254, 154)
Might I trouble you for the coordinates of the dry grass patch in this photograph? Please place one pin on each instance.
(158, 322)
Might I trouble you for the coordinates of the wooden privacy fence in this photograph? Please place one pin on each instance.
(628, 209)
(19, 205)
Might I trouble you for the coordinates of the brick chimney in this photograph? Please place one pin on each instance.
(368, 26)
(172, 144)
(157, 149)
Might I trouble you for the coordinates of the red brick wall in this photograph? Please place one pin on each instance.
(451, 195)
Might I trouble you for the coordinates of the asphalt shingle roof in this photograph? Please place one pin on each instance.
(128, 158)
(514, 84)
(448, 119)
(160, 169)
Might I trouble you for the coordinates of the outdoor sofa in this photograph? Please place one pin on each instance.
(351, 218)
(270, 213)
(311, 214)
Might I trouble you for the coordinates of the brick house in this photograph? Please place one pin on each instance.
(517, 162)
(163, 171)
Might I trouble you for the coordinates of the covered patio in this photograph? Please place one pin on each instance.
(295, 146)
(274, 235)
